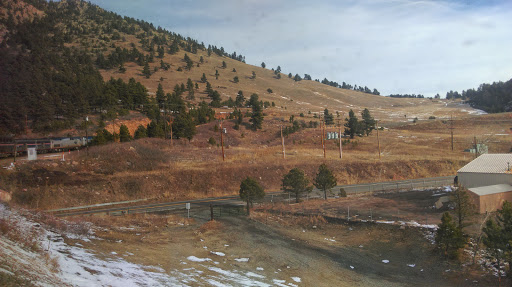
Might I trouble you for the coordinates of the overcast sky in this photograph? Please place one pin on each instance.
(396, 46)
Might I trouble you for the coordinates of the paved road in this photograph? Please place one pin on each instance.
(235, 199)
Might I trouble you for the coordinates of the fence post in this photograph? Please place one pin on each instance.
(211, 212)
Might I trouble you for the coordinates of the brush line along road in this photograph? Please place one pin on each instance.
(235, 199)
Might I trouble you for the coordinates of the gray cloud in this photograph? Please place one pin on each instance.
(396, 46)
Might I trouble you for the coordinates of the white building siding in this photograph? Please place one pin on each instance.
(473, 179)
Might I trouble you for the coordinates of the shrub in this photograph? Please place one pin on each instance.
(212, 141)
(431, 118)
(343, 193)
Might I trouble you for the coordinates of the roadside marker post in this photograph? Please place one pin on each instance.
(187, 206)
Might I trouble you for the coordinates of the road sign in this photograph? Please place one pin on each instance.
(187, 205)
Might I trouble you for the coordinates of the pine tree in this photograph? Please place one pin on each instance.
(224, 65)
(235, 79)
(324, 180)
(368, 122)
(328, 118)
(449, 238)
(140, 132)
(250, 190)
(240, 99)
(351, 125)
(217, 74)
(296, 182)
(124, 134)
(160, 95)
(463, 204)
(253, 75)
(203, 78)
(201, 60)
(263, 65)
(146, 72)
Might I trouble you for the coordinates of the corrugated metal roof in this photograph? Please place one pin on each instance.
(491, 189)
(489, 163)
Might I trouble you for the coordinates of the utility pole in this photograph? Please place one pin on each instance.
(87, 135)
(451, 129)
(339, 136)
(170, 125)
(15, 149)
(323, 137)
(165, 122)
(282, 141)
(221, 140)
(378, 139)
(476, 148)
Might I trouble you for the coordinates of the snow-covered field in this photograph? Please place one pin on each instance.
(83, 267)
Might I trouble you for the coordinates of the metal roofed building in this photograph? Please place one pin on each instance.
(490, 198)
(487, 169)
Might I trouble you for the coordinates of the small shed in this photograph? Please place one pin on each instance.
(487, 169)
(490, 198)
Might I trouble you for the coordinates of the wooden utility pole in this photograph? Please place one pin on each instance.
(323, 137)
(451, 129)
(15, 149)
(378, 139)
(282, 141)
(170, 125)
(476, 148)
(222, 140)
(339, 136)
(87, 135)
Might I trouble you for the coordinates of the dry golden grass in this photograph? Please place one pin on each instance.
(210, 226)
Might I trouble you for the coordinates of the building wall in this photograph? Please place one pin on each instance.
(473, 179)
(493, 202)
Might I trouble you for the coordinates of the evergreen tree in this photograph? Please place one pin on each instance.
(449, 238)
(224, 65)
(160, 95)
(203, 78)
(140, 132)
(328, 118)
(296, 182)
(257, 112)
(351, 125)
(235, 79)
(498, 235)
(183, 126)
(146, 72)
(201, 60)
(463, 204)
(124, 134)
(240, 99)
(263, 65)
(251, 190)
(122, 69)
(324, 180)
(217, 74)
(155, 130)
(368, 122)
(253, 75)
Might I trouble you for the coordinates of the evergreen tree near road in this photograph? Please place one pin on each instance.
(240, 99)
(296, 182)
(250, 190)
(449, 238)
(124, 134)
(324, 179)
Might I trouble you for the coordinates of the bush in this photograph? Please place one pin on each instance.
(342, 193)
(431, 118)
(212, 141)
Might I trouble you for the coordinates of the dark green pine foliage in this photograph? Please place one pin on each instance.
(296, 182)
(124, 134)
(328, 118)
(140, 132)
(184, 126)
(368, 122)
(145, 71)
(250, 190)
(449, 238)
(324, 179)
(351, 125)
(257, 113)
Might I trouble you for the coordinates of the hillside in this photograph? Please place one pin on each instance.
(80, 42)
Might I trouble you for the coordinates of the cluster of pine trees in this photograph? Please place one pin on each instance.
(354, 126)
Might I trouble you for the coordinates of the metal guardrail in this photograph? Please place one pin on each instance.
(397, 186)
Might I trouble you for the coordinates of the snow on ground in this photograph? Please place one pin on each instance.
(84, 267)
